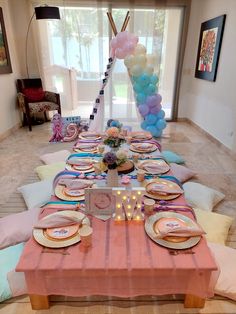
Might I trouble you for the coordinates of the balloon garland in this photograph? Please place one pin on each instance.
(141, 71)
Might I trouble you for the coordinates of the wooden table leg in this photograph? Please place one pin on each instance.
(39, 302)
(191, 301)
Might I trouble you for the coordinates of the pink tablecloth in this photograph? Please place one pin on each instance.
(123, 261)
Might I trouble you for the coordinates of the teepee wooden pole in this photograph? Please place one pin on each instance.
(125, 22)
(113, 26)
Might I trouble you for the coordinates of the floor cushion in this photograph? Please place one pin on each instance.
(59, 156)
(172, 157)
(49, 171)
(182, 173)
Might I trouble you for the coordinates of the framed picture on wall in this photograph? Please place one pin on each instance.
(5, 62)
(210, 40)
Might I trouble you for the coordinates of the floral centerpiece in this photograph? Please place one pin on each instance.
(112, 160)
(113, 137)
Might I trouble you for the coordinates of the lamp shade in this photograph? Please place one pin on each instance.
(47, 12)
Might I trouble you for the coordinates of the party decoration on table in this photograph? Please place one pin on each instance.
(156, 166)
(90, 136)
(58, 235)
(70, 189)
(117, 161)
(113, 137)
(57, 127)
(66, 129)
(173, 230)
(140, 66)
(128, 203)
(163, 189)
(143, 147)
(86, 147)
(140, 135)
(99, 201)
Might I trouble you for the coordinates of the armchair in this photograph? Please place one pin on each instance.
(31, 99)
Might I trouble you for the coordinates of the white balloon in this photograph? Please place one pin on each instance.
(149, 69)
(129, 61)
(140, 50)
(136, 70)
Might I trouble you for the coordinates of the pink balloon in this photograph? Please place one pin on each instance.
(121, 38)
(113, 43)
(120, 53)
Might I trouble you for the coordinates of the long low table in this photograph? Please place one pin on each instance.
(123, 261)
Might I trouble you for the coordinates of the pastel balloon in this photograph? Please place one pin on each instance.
(129, 61)
(154, 79)
(136, 70)
(143, 110)
(149, 69)
(113, 42)
(120, 53)
(140, 49)
(143, 79)
(141, 98)
(161, 124)
(155, 110)
(151, 119)
(144, 125)
(152, 101)
(141, 59)
(152, 129)
(151, 89)
(122, 38)
(161, 114)
(158, 98)
(137, 87)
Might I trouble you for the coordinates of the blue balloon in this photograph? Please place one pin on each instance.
(141, 98)
(154, 79)
(161, 114)
(151, 89)
(143, 79)
(137, 88)
(152, 129)
(161, 124)
(151, 119)
(144, 125)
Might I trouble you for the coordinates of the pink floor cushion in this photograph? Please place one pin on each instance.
(17, 284)
(182, 173)
(17, 228)
(226, 260)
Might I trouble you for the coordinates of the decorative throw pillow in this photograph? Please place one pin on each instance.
(8, 260)
(226, 260)
(49, 171)
(59, 156)
(201, 196)
(182, 173)
(17, 228)
(36, 194)
(172, 157)
(34, 94)
(215, 225)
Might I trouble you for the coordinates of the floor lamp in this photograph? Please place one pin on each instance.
(41, 13)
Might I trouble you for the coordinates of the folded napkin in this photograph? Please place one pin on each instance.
(79, 162)
(75, 184)
(180, 231)
(159, 188)
(57, 221)
(152, 167)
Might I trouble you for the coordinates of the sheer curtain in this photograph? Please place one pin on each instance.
(73, 54)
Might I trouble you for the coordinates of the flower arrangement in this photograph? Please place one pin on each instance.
(112, 160)
(113, 137)
(115, 123)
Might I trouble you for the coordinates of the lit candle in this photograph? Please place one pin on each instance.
(138, 192)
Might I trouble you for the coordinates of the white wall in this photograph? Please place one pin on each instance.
(9, 113)
(211, 105)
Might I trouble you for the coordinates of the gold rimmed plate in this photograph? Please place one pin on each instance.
(83, 167)
(90, 136)
(62, 192)
(156, 166)
(157, 221)
(162, 189)
(62, 236)
(139, 135)
(143, 147)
